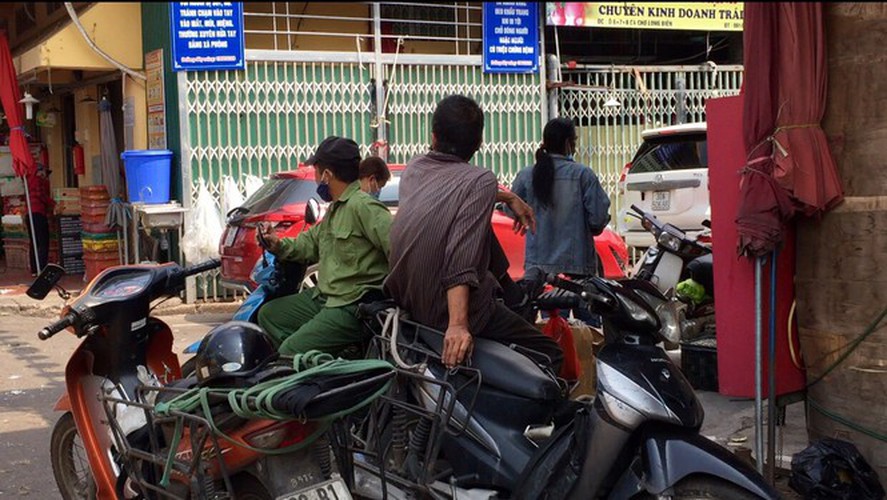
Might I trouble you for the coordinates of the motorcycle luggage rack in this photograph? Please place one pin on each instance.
(439, 416)
(193, 473)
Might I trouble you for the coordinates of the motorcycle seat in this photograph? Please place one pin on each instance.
(500, 366)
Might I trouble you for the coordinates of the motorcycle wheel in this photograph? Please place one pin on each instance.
(70, 465)
(708, 488)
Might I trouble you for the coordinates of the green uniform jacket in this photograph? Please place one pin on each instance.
(350, 244)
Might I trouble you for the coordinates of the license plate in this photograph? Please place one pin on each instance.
(661, 200)
(230, 236)
(334, 489)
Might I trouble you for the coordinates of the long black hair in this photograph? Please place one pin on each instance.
(558, 137)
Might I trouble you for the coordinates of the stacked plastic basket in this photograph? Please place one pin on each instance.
(100, 243)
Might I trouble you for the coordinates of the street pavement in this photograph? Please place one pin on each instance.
(32, 379)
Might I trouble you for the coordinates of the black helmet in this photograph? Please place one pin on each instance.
(232, 350)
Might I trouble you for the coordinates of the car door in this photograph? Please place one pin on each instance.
(669, 178)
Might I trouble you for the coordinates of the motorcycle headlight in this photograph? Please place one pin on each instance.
(636, 312)
(670, 241)
(670, 314)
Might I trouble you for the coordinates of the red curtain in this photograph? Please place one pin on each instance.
(789, 168)
(10, 95)
(804, 164)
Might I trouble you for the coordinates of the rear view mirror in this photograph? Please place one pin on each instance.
(41, 286)
(312, 211)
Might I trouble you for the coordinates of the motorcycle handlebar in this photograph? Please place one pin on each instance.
(56, 327)
(578, 289)
(202, 267)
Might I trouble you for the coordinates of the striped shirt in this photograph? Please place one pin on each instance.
(440, 238)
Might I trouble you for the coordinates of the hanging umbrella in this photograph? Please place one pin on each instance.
(22, 161)
(117, 213)
(804, 164)
(764, 207)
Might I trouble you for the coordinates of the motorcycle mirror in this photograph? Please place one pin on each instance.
(48, 278)
(706, 223)
(312, 211)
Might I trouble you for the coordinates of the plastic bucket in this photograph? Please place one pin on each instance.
(147, 175)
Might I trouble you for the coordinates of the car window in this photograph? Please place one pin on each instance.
(390, 194)
(673, 154)
(276, 193)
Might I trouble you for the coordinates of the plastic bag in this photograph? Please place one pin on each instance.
(559, 329)
(253, 184)
(831, 468)
(231, 197)
(201, 241)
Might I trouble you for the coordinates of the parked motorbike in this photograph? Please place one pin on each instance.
(674, 258)
(123, 368)
(501, 426)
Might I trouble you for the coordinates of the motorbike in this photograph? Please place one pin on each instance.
(674, 258)
(123, 368)
(500, 426)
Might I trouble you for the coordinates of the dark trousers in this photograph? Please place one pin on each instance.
(507, 327)
(41, 234)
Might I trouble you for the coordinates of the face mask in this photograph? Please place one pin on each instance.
(323, 190)
(375, 194)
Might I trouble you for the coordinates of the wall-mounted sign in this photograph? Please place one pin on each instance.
(156, 99)
(511, 37)
(713, 16)
(207, 35)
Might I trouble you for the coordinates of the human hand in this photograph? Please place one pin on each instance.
(458, 344)
(524, 217)
(267, 237)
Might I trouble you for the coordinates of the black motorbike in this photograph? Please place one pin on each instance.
(501, 426)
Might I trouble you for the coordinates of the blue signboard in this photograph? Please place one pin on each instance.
(207, 35)
(511, 37)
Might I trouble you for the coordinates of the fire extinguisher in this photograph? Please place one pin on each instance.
(79, 162)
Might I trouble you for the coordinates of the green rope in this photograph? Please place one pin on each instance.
(307, 366)
(852, 347)
(846, 422)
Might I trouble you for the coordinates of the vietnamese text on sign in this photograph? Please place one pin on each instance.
(712, 16)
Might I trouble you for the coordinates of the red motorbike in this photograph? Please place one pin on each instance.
(120, 371)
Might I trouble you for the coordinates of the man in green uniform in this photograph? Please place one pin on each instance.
(350, 246)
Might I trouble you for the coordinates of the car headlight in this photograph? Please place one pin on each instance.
(670, 241)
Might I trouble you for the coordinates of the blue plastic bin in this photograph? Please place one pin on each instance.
(147, 175)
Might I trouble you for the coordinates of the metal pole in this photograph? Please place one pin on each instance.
(771, 375)
(31, 219)
(759, 410)
(381, 132)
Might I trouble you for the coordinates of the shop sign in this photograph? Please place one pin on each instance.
(156, 100)
(207, 35)
(511, 37)
(712, 16)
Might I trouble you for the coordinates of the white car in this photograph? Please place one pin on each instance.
(668, 177)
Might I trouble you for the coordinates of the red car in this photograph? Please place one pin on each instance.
(283, 198)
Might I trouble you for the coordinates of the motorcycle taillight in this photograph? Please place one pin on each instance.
(281, 435)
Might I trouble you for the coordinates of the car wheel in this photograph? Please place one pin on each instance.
(310, 280)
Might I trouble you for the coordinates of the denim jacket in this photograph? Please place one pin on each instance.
(564, 239)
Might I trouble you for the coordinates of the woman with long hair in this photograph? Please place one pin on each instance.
(570, 205)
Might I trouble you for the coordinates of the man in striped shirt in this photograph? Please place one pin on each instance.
(441, 239)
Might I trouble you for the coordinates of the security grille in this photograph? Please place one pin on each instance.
(512, 104)
(612, 105)
(267, 119)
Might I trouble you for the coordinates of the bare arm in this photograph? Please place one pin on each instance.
(458, 340)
